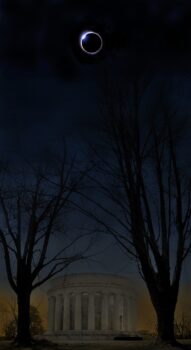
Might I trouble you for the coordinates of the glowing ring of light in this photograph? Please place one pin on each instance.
(83, 36)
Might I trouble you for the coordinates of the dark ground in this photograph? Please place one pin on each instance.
(115, 345)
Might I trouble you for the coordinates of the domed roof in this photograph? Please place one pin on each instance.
(90, 280)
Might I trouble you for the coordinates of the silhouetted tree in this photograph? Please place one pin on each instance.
(145, 192)
(34, 204)
(183, 326)
(36, 326)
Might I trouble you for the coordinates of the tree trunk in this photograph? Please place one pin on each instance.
(164, 299)
(23, 327)
(165, 324)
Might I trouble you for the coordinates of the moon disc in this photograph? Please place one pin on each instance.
(91, 42)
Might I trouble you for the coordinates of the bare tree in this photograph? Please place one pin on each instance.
(10, 326)
(145, 194)
(183, 326)
(34, 205)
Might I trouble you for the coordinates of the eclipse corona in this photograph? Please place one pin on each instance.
(91, 42)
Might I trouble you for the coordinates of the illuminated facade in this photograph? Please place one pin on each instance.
(91, 305)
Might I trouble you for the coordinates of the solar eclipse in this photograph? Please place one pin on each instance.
(91, 42)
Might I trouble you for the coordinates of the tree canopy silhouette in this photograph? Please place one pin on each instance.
(34, 204)
(143, 178)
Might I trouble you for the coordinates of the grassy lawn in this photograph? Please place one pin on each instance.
(115, 345)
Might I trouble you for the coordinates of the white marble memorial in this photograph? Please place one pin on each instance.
(91, 306)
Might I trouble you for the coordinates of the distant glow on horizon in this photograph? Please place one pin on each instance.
(83, 37)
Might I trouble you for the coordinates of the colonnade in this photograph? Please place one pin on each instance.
(91, 311)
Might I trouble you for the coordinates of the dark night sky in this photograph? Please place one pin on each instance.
(49, 89)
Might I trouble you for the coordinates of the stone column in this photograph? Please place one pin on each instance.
(126, 313)
(117, 312)
(58, 313)
(51, 314)
(133, 314)
(104, 316)
(129, 311)
(122, 313)
(66, 312)
(78, 315)
(91, 312)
